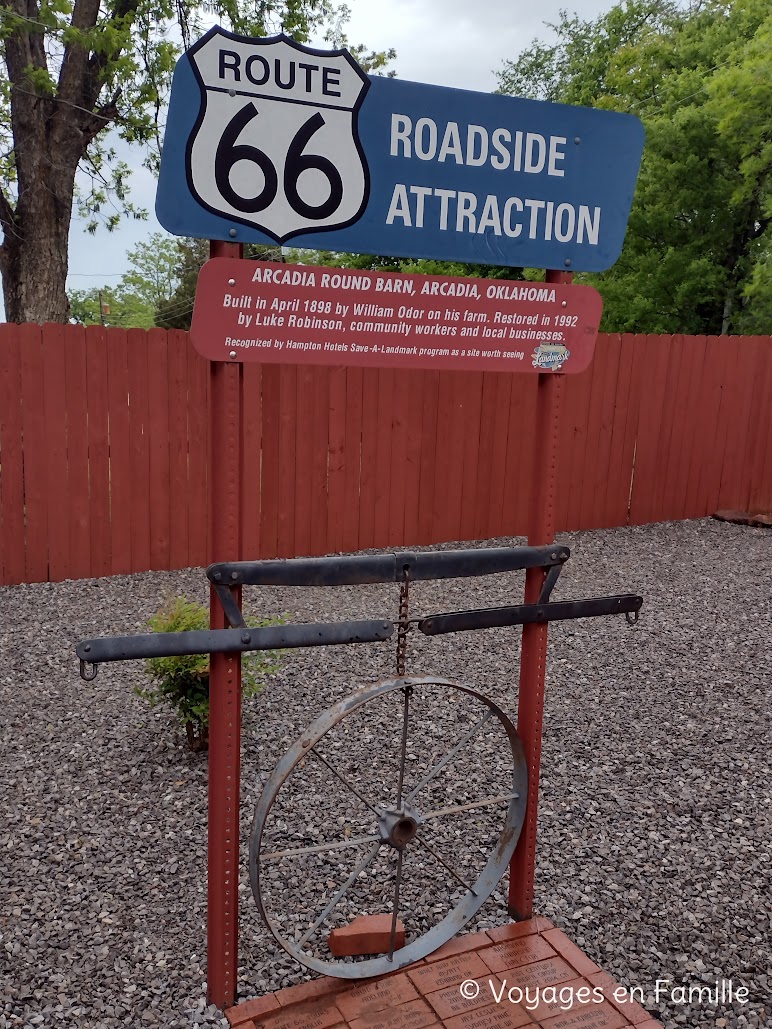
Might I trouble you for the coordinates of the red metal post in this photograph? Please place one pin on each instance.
(533, 657)
(225, 539)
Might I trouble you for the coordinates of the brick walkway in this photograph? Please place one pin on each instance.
(427, 994)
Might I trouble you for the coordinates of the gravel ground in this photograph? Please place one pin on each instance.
(654, 848)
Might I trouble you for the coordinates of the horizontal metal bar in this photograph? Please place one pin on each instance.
(217, 641)
(368, 568)
(523, 614)
(313, 571)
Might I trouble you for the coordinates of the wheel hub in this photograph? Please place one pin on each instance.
(398, 827)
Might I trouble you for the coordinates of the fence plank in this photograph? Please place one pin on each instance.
(760, 492)
(12, 566)
(76, 402)
(415, 394)
(576, 413)
(395, 529)
(319, 461)
(605, 369)
(57, 471)
(336, 434)
(692, 369)
(656, 371)
(252, 429)
(198, 458)
(178, 404)
(470, 484)
(159, 494)
(519, 457)
(616, 498)
(139, 451)
(369, 471)
(710, 446)
(269, 477)
(383, 447)
(352, 459)
(288, 419)
(302, 460)
(429, 425)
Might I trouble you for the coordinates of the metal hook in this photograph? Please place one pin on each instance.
(632, 617)
(88, 676)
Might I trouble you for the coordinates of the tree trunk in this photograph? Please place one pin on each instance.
(34, 265)
(726, 318)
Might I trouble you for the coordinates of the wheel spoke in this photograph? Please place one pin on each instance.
(443, 862)
(449, 756)
(334, 770)
(406, 692)
(366, 860)
(395, 906)
(488, 802)
(319, 848)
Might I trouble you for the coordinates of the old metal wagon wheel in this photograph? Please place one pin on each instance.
(399, 823)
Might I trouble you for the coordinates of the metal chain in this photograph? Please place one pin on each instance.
(403, 625)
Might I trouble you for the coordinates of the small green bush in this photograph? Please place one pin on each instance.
(182, 682)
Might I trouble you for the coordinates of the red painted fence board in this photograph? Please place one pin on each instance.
(103, 457)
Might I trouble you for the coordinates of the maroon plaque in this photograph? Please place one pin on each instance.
(302, 314)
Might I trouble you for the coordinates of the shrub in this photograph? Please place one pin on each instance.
(182, 682)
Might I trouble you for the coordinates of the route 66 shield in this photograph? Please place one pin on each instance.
(276, 143)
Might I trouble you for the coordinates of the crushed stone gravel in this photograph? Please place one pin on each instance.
(655, 839)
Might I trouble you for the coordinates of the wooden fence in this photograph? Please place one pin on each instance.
(103, 448)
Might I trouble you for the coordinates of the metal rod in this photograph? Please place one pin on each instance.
(488, 802)
(448, 757)
(437, 857)
(354, 790)
(320, 848)
(366, 860)
(405, 717)
(395, 905)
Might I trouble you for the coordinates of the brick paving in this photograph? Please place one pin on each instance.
(566, 990)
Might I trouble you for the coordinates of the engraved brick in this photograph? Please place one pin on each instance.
(451, 971)
(514, 953)
(542, 973)
(450, 1001)
(596, 1016)
(569, 950)
(517, 929)
(497, 1016)
(459, 945)
(325, 986)
(321, 1014)
(375, 996)
(416, 1014)
(630, 1008)
(575, 995)
(651, 1024)
(250, 1009)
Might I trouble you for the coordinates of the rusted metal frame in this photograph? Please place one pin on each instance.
(528, 614)
(367, 568)
(226, 393)
(232, 641)
(533, 654)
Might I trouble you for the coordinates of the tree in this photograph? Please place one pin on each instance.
(151, 280)
(700, 77)
(75, 71)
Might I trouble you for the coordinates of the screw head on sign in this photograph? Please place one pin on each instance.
(231, 232)
(564, 303)
(567, 262)
(234, 575)
(232, 354)
(231, 282)
(577, 139)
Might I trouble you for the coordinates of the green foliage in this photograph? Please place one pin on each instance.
(182, 682)
(376, 263)
(151, 280)
(700, 77)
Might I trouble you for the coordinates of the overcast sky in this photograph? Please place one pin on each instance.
(444, 42)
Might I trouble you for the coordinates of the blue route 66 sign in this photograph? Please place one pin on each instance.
(273, 114)
(269, 141)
